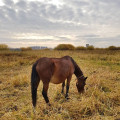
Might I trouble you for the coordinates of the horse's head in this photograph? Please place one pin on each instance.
(81, 82)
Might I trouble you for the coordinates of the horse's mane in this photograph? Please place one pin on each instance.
(77, 71)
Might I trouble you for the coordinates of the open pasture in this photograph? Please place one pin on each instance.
(101, 100)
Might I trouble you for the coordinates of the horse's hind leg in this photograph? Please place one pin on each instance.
(44, 92)
(63, 85)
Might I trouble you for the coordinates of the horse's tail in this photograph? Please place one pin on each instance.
(34, 84)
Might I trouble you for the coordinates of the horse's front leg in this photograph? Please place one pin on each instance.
(63, 85)
(44, 92)
(67, 86)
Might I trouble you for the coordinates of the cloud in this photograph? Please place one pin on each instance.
(103, 41)
(75, 13)
(90, 22)
(8, 2)
(88, 36)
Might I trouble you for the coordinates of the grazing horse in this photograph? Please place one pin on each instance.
(55, 70)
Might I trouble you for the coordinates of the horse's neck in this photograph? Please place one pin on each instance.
(78, 71)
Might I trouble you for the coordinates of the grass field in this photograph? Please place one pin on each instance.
(101, 100)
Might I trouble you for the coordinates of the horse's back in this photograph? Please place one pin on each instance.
(54, 70)
(63, 68)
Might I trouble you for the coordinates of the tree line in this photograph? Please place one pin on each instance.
(91, 47)
(65, 47)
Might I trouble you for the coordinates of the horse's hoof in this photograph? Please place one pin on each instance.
(67, 97)
(48, 104)
(34, 111)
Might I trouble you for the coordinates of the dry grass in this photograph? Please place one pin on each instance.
(20, 80)
(101, 100)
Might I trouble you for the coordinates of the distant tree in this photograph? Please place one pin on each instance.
(3, 47)
(65, 47)
(118, 48)
(80, 48)
(99, 48)
(112, 48)
(25, 49)
(91, 47)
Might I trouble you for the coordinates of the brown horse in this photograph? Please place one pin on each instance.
(55, 70)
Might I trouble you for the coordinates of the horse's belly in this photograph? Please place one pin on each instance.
(56, 80)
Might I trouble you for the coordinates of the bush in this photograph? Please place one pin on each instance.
(113, 48)
(118, 48)
(3, 47)
(99, 48)
(80, 48)
(91, 47)
(65, 47)
(26, 49)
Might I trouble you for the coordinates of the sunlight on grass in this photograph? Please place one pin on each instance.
(101, 100)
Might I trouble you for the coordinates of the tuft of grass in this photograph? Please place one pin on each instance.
(20, 81)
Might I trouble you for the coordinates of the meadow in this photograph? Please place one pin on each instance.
(101, 100)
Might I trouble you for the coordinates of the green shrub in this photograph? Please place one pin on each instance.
(3, 47)
(99, 48)
(91, 47)
(25, 49)
(113, 48)
(80, 48)
(65, 47)
(118, 48)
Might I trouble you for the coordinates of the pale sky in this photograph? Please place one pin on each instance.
(48, 23)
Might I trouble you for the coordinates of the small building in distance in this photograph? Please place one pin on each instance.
(38, 47)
